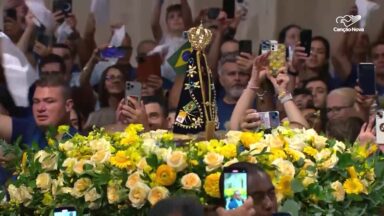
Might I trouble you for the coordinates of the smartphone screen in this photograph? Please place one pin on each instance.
(65, 211)
(113, 52)
(306, 40)
(245, 46)
(277, 58)
(229, 8)
(213, 13)
(235, 188)
(366, 77)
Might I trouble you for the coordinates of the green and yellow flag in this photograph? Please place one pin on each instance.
(179, 60)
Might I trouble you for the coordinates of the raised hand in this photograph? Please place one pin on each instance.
(259, 70)
(280, 82)
(251, 120)
(367, 133)
(245, 61)
(299, 58)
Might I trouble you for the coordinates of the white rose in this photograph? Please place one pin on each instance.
(101, 156)
(112, 194)
(339, 146)
(191, 181)
(21, 194)
(338, 191)
(133, 179)
(285, 167)
(48, 161)
(43, 181)
(162, 153)
(157, 193)
(81, 186)
(233, 136)
(296, 142)
(14, 193)
(138, 194)
(257, 148)
(142, 164)
(91, 195)
(100, 144)
(177, 160)
(67, 146)
(326, 159)
(309, 134)
(149, 146)
(213, 161)
(78, 167)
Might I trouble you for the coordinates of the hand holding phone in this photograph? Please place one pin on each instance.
(133, 90)
(277, 58)
(235, 187)
(147, 66)
(245, 46)
(269, 119)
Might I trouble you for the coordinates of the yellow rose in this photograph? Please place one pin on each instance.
(285, 167)
(113, 194)
(165, 175)
(233, 136)
(296, 142)
(249, 138)
(309, 180)
(319, 142)
(211, 185)
(101, 156)
(142, 164)
(191, 181)
(157, 193)
(138, 194)
(133, 179)
(258, 148)
(338, 192)
(213, 161)
(78, 167)
(326, 159)
(91, 195)
(177, 160)
(80, 186)
(67, 146)
(48, 161)
(43, 181)
(21, 194)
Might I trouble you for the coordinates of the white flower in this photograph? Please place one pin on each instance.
(133, 179)
(162, 153)
(326, 159)
(138, 194)
(296, 142)
(213, 161)
(177, 160)
(233, 136)
(22, 194)
(67, 146)
(191, 181)
(319, 142)
(48, 161)
(338, 191)
(91, 195)
(339, 146)
(100, 144)
(101, 156)
(78, 167)
(157, 193)
(149, 146)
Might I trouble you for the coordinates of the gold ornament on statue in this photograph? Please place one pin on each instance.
(199, 37)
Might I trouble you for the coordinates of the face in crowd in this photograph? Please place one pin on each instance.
(233, 80)
(378, 58)
(319, 92)
(292, 36)
(65, 54)
(114, 81)
(175, 21)
(156, 116)
(318, 57)
(50, 106)
(340, 103)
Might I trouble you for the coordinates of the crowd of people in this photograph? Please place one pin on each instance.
(318, 91)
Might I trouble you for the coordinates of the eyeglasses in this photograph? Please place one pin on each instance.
(337, 109)
(110, 78)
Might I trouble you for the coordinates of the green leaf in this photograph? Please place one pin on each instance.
(152, 160)
(345, 160)
(291, 206)
(379, 168)
(297, 186)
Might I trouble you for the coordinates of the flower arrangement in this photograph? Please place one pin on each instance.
(125, 173)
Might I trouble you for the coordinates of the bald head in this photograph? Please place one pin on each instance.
(340, 103)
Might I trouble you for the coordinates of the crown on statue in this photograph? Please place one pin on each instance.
(199, 37)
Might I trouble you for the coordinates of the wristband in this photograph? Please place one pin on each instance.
(285, 98)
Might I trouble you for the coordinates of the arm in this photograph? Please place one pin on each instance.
(214, 53)
(155, 21)
(24, 41)
(6, 128)
(340, 58)
(293, 112)
(86, 73)
(87, 43)
(186, 14)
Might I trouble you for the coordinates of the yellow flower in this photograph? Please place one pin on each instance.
(167, 137)
(138, 194)
(133, 179)
(294, 154)
(113, 194)
(191, 181)
(338, 191)
(364, 151)
(81, 186)
(43, 181)
(285, 167)
(277, 153)
(47, 199)
(129, 139)
(283, 187)
(249, 138)
(211, 185)
(177, 160)
(326, 159)
(352, 172)
(213, 161)
(101, 156)
(51, 142)
(63, 129)
(310, 151)
(353, 186)
(165, 175)
(121, 160)
(134, 128)
(229, 150)
(157, 193)
(194, 162)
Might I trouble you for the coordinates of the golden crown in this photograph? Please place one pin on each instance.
(199, 37)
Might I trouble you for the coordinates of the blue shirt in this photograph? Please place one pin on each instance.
(224, 111)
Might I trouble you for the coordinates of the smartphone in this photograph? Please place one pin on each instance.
(266, 46)
(245, 46)
(42, 37)
(65, 211)
(229, 8)
(306, 40)
(277, 58)
(11, 13)
(213, 13)
(380, 126)
(148, 65)
(269, 119)
(366, 77)
(63, 5)
(132, 89)
(235, 187)
(113, 52)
